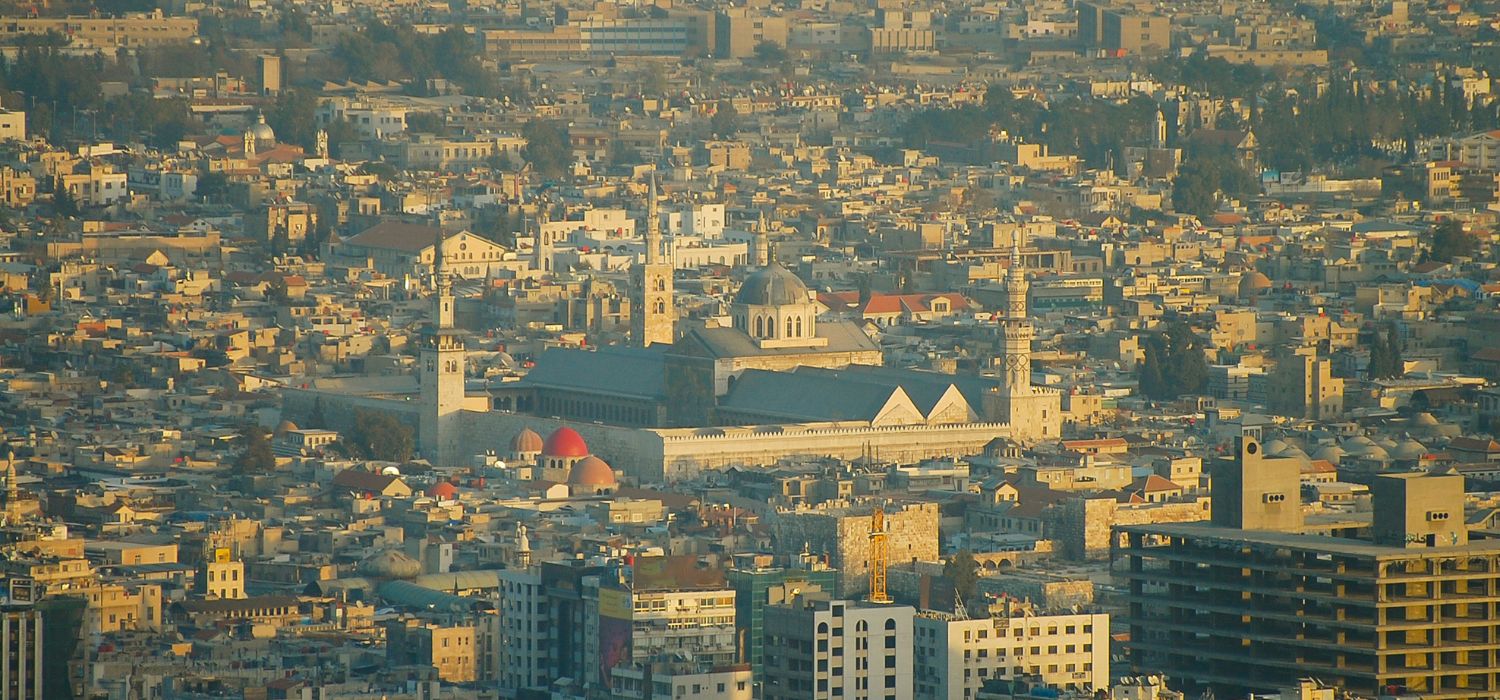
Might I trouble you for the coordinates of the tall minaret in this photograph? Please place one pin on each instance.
(541, 242)
(1015, 326)
(442, 378)
(1159, 131)
(653, 315)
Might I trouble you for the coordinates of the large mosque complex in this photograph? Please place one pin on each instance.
(776, 382)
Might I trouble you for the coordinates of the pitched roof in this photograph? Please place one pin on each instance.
(361, 480)
(723, 342)
(622, 372)
(395, 235)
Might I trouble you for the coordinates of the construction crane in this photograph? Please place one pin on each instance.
(878, 557)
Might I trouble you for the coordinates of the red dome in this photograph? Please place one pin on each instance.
(442, 489)
(591, 471)
(565, 442)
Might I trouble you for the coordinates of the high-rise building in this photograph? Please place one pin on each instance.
(1257, 597)
(21, 675)
(527, 629)
(758, 584)
(819, 648)
(653, 318)
(442, 367)
(663, 605)
(955, 656)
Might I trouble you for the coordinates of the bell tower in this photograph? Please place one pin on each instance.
(442, 372)
(652, 314)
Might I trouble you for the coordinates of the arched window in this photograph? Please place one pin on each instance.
(890, 624)
(799, 326)
(789, 327)
(661, 306)
(760, 328)
(861, 626)
(822, 628)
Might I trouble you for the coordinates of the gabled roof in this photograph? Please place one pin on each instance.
(395, 235)
(361, 480)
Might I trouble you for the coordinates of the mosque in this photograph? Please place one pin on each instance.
(775, 382)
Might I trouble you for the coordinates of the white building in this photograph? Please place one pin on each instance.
(370, 120)
(524, 622)
(12, 125)
(955, 657)
(821, 649)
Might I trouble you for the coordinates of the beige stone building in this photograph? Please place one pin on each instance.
(843, 533)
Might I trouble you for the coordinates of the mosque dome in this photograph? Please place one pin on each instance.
(565, 442)
(1330, 453)
(526, 441)
(1252, 283)
(1274, 448)
(591, 471)
(1409, 449)
(390, 564)
(772, 285)
(285, 427)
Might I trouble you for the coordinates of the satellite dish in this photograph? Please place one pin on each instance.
(390, 471)
(500, 464)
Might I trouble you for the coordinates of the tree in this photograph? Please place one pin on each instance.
(1385, 354)
(726, 120)
(378, 435)
(257, 458)
(1175, 363)
(549, 148)
(63, 203)
(294, 118)
(213, 186)
(770, 52)
(963, 571)
(1449, 241)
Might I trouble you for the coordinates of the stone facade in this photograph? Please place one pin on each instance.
(1083, 527)
(844, 534)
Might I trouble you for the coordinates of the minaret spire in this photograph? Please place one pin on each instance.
(442, 291)
(653, 224)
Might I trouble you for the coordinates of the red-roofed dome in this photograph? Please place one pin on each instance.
(565, 442)
(443, 490)
(591, 471)
(526, 441)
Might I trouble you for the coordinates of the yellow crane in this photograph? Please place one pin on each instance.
(878, 557)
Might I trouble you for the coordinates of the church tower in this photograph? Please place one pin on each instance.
(1032, 412)
(653, 315)
(442, 378)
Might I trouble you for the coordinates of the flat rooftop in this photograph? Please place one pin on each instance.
(1319, 544)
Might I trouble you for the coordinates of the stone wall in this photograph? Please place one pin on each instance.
(1084, 526)
(912, 535)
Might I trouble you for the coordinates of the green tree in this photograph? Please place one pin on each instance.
(549, 148)
(1385, 354)
(294, 118)
(378, 435)
(1449, 241)
(1174, 364)
(213, 186)
(257, 457)
(963, 571)
(769, 52)
(726, 120)
(64, 204)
